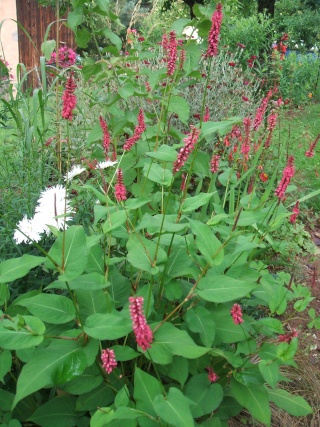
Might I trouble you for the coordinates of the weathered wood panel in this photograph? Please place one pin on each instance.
(35, 20)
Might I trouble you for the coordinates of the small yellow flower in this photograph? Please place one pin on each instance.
(310, 95)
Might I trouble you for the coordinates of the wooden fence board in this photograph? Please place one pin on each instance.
(35, 20)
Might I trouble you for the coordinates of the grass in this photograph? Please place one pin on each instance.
(296, 130)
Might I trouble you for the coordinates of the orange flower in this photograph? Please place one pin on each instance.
(264, 177)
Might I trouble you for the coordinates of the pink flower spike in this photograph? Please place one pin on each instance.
(141, 329)
(172, 54)
(261, 111)
(245, 147)
(108, 359)
(214, 34)
(69, 100)
(288, 337)
(138, 131)
(119, 189)
(236, 314)
(106, 136)
(212, 376)
(214, 164)
(310, 152)
(206, 116)
(287, 174)
(295, 213)
(189, 145)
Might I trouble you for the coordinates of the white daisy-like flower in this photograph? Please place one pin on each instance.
(28, 230)
(53, 208)
(106, 164)
(74, 171)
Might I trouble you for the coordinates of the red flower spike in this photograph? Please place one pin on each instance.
(106, 136)
(119, 189)
(295, 213)
(287, 174)
(108, 359)
(189, 145)
(138, 131)
(236, 314)
(141, 329)
(214, 34)
(69, 99)
(212, 376)
(310, 152)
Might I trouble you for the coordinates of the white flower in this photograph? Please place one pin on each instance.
(53, 208)
(27, 231)
(106, 164)
(74, 171)
(192, 33)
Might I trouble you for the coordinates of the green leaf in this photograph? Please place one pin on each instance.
(294, 405)
(15, 268)
(146, 388)
(158, 174)
(5, 363)
(90, 379)
(179, 106)
(169, 341)
(26, 332)
(70, 253)
(47, 48)
(255, 399)
(177, 370)
(205, 396)
(37, 373)
(195, 202)
(86, 282)
(270, 372)
(124, 353)
(207, 243)
(115, 40)
(109, 326)
(199, 320)
(95, 135)
(174, 408)
(165, 153)
(103, 5)
(83, 36)
(75, 18)
(142, 253)
(221, 288)
(50, 308)
(102, 395)
(179, 25)
(114, 220)
(210, 128)
(59, 411)
(6, 400)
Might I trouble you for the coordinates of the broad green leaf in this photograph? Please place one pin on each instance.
(221, 288)
(158, 174)
(103, 5)
(209, 128)
(70, 253)
(90, 379)
(115, 40)
(179, 25)
(160, 222)
(137, 203)
(37, 373)
(47, 48)
(59, 411)
(174, 408)
(109, 326)
(83, 36)
(170, 341)
(114, 220)
(143, 254)
(192, 203)
(15, 268)
(95, 134)
(102, 395)
(95, 262)
(294, 405)
(5, 363)
(199, 320)
(165, 153)
(179, 106)
(177, 370)
(270, 372)
(6, 400)
(50, 308)
(4, 294)
(75, 18)
(226, 330)
(91, 302)
(70, 368)
(248, 218)
(229, 407)
(26, 332)
(181, 265)
(254, 398)
(207, 243)
(205, 396)
(124, 353)
(85, 282)
(146, 388)
(278, 300)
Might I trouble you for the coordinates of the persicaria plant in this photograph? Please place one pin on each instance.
(164, 311)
